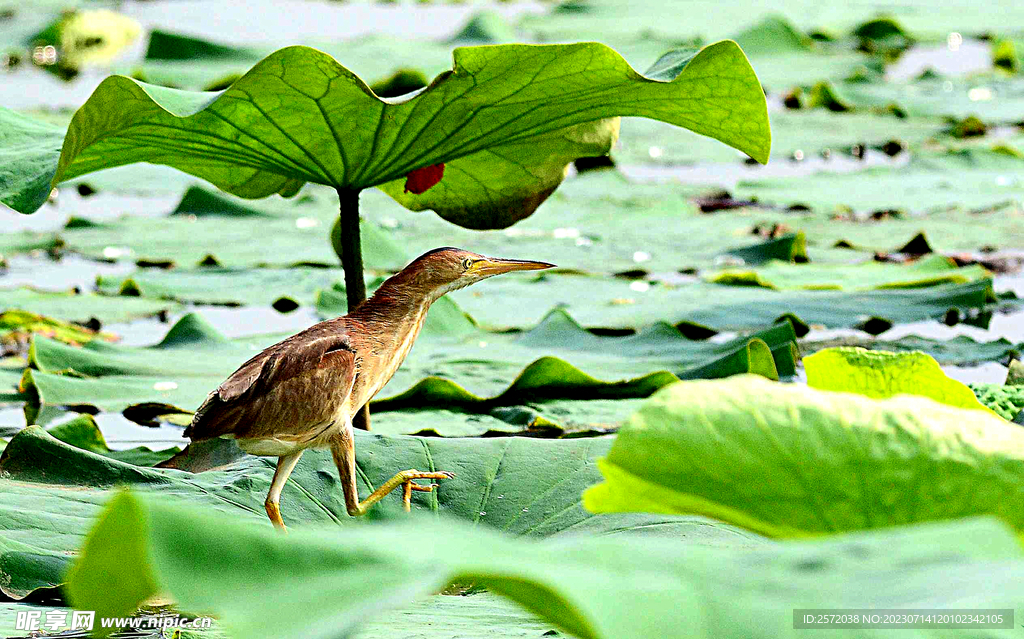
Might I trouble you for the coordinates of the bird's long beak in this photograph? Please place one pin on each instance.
(499, 265)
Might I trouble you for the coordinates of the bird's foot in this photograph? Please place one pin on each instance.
(409, 485)
(405, 480)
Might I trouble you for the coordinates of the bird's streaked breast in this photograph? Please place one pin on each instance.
(377, 368)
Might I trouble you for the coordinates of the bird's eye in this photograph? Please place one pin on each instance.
(466, 263)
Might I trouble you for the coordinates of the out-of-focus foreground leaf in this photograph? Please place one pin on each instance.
(325, 583)
(790, 461)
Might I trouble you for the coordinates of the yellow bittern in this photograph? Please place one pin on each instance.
(304, 391)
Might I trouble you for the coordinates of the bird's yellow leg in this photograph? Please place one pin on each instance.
(343, 450)
(285, 466)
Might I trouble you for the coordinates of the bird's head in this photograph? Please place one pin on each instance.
(447, 269)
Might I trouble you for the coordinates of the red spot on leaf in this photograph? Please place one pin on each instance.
(420, 180)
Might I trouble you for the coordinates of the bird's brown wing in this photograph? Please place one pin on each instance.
(287, 391)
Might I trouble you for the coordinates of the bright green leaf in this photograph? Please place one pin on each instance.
(791, 461)
(881, 374)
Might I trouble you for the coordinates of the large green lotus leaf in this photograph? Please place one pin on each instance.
(511, 368)
(882, 374)
(612, 303)
(591, 588)
(81, 307)
(205, 225)
(523, 486)
(779, 275)
(973, 180)
(791, 461)
(27, 149)
(299, 116)
(961, 350)
(505, 180)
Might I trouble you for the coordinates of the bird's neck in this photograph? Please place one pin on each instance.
(392, 318)
(395, 304)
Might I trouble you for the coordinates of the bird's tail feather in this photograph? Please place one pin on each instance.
(208, 454)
